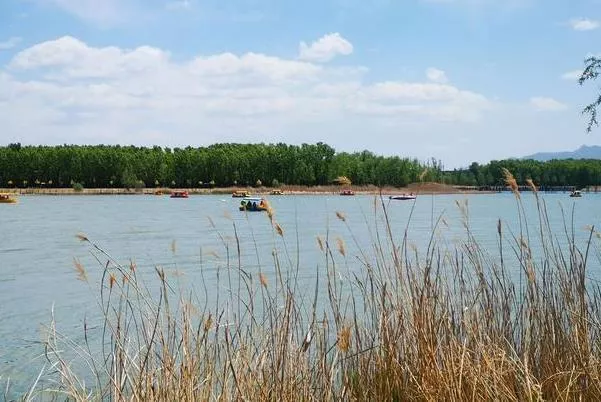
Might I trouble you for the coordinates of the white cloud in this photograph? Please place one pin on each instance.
(325, 48)
(71, 58)
(573, 75)
(545, 104)
(67, 91)
(10, 43)
(436, 75)
(584, 24)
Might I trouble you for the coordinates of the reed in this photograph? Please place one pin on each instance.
(393, 323)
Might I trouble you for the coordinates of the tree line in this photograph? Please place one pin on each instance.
(558, 172)
(222, 165)
(219, 165)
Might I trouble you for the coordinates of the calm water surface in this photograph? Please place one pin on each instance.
(38, 244)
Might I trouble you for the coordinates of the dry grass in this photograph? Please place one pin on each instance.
(436, 324)
(422, 188)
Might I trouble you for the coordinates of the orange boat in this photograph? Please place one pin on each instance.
(8, 199)
(179, 194)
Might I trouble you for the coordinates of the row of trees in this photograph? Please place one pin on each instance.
(559, 172)
(217, 165)
(267, 164)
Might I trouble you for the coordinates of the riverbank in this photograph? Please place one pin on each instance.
(416, 188)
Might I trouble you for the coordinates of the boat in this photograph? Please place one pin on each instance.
(179, 194)
(403, 197)
(8, 199)
(347, 192)
(276, 191)
(575, 193)
(255, 204)
(240, 194)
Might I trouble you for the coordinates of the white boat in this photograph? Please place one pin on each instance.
(576, 193)
(403, 197)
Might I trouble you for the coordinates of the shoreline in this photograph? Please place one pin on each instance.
(416, 188)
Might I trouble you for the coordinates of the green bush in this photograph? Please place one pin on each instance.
(78, 187)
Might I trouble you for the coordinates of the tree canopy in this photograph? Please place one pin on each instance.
(223, 165)
(219, 165)
(557, 172)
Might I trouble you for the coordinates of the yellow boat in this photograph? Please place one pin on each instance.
(240, 194)
(8, 199)
(254, 204)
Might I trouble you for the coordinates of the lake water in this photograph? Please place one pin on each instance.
(38, 244)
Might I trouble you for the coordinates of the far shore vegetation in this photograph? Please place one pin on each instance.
(80, 167)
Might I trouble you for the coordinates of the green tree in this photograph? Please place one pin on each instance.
(591, 71)
(128, 179)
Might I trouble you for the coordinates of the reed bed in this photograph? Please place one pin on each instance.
(441, 323)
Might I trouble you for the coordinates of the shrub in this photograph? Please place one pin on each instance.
(78, 187)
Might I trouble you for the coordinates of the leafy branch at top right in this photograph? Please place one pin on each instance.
(591, 71)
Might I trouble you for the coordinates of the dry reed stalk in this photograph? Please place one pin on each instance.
(511, 182)
(81, 271)
(279, 229)
(263, 280)
(532, 185)
(320, 243)
(341, 246)
(344, 338)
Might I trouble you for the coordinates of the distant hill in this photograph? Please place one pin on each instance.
(584, 152)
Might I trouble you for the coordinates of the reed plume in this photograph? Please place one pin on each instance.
(511, 182)
(80, 270)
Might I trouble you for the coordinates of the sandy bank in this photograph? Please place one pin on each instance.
(416, 188)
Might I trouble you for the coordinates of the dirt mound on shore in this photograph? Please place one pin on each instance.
(432, 188)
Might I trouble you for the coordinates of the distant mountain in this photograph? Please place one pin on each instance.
(584, 152)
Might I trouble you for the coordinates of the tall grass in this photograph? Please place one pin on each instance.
(392, 323)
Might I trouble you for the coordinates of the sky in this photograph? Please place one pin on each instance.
(455, 80)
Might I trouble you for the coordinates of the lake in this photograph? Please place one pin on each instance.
(38, 245)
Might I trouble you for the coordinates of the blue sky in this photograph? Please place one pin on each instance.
(458, 80)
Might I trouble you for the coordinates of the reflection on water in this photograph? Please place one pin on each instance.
(195, 239)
